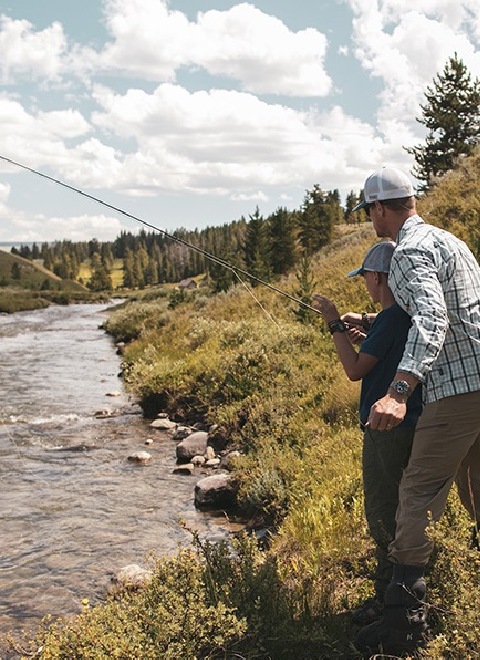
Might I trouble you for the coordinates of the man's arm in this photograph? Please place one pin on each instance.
(390, 410)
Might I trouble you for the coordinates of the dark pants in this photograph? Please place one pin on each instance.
(385, 455)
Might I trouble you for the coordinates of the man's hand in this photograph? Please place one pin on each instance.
(354, 320)
(387, 413)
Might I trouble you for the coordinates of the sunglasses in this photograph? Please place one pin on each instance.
(368, 207)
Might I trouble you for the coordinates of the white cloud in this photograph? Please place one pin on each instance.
(262, 52)
(258, 196)
(26, 227)
(29, 53)
(242, 43)
(218, 141)
(406, 48)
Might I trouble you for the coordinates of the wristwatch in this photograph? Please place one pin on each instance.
(337, 325)
(401, 387)
(366, 325)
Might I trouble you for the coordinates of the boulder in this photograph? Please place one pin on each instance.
(216, 492)
(140, 457)
(105, 412)
(218, 437)
(186, 468)
(194, 444)
(209, 453)
(132, 575)
(182, 432)
(226, 459)
(163, 424)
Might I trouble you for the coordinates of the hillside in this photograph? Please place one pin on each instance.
(24, 274)
(28, 285)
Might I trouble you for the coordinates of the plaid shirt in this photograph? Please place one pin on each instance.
(436, 280)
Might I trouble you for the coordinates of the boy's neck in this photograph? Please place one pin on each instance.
(386, 298)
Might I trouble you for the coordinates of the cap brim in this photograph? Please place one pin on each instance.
(357, 271)
(360, 206)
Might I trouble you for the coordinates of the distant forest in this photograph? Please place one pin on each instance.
(265, 247)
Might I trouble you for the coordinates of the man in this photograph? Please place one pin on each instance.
(436, 279)
(384, 453)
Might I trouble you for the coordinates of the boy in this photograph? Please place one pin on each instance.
(385, 453)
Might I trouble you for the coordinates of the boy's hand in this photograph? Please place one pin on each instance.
(355, 335)
(326, 307)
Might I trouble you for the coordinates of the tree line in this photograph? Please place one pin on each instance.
(266, 247)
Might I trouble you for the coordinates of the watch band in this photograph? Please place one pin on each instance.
(401, 387)
(337, 325)
(366, 325)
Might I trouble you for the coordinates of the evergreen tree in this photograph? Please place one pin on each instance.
(320, 211)
(16, 271)
(306, 287)
(282, 241)
(452, 116)
(25, 252)
(128, 281)
(257, 249)
(351, 201)
(100, 280)
(47, 257)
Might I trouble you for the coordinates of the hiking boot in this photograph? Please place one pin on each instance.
(382, 637)
(370, 611)
(403, 627)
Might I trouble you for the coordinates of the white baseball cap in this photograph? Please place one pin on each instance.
(384, 184)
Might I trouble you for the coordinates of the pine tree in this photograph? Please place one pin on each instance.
(257, 248)
(306, 287)
(351, 201)
(282, 241)
(452, 116)
(320, 211)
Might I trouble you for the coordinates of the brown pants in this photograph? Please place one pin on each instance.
(446, 448)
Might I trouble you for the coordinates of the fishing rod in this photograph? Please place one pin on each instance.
(207, 255)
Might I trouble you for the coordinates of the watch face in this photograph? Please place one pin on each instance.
(400, 386)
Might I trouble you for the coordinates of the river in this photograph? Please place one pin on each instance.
(72, 517)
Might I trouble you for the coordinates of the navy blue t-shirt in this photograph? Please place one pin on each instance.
(386, 341)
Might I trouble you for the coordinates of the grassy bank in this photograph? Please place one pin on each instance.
(242, 360)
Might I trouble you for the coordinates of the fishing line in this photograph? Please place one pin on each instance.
(221, 262)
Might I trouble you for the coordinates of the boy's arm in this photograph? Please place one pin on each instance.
(356, 365)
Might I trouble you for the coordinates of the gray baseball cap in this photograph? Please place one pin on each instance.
(377, 259)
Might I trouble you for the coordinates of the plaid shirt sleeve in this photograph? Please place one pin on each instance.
(436, 280)
(414, 280)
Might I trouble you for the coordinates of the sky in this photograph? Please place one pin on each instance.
(193, 113)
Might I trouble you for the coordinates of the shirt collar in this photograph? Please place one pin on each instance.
(409, 223)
